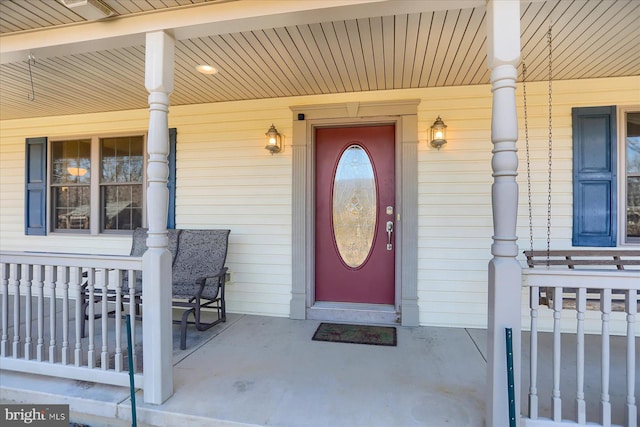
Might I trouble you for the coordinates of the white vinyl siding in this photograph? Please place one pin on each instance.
(226, 179)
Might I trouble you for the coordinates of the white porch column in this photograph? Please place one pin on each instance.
(156, 262)
(505, 275)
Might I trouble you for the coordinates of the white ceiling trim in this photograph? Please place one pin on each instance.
(203, 19)
(313, 55)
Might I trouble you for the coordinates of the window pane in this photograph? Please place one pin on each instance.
(70, 175)
(354, 206)
(120, 178)
(632, 154)
(123, 207)
(633, 207)
(71, 207)
(71, 162)
(109, 160)
(122, 165)
(122, 159)
(633, 143)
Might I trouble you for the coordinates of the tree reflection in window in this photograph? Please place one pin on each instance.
(633, 175)
(70, 184)
(122, 164)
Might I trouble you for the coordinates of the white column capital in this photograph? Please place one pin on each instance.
(503, 32)
(159, 53)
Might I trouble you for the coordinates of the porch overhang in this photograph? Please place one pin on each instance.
(201, 21)
(281, 48)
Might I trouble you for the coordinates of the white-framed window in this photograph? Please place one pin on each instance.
(629, 174)
(97, 184)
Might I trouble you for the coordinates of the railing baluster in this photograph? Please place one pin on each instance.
(39, 278)
(27, 275)
(118, 321)
(31, 324)
(91, 285)
(63, 282)
(104, 354)
(556, 401)
(132, 314)
(53, 277)
(534, 304)
(4, 276)
(605, 404)
(631, 307)
(15, 281)
(76, 274)
(581, 307)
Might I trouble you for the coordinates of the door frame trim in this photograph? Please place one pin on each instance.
(404, 115)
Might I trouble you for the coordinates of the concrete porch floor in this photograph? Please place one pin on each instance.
(257, 370)
(266, 371)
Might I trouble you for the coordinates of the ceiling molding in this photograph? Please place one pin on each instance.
(359, 46)
(201, 20)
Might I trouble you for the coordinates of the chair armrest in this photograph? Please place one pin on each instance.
(202, 281)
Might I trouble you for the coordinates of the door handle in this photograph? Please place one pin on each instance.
(389, 233)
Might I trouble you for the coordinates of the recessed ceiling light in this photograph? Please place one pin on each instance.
(89, 9)
(206, 69)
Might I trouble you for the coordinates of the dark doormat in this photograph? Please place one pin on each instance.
(356, 334)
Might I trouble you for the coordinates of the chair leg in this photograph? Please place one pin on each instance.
(194, 307)
(222, 310)
(83, 327)
(183, 328)
(85, 307)
(204, 326)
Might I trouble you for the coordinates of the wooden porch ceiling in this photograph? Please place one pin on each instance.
(410, 44)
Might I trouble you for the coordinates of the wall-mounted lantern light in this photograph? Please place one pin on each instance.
(438, 133)
(274, 138)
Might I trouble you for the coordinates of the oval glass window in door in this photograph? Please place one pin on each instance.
(354, 206)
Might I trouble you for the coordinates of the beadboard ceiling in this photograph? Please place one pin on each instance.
(415, 45)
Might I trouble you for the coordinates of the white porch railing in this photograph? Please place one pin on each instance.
(44, 297)
(583, 281)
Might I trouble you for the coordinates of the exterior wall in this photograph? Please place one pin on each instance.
(226, 179)
(12, 165)
(566, 95)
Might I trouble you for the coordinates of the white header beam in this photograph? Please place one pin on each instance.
(202, 20)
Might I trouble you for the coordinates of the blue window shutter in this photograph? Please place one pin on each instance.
(35, 195)
(594, 176)
(171, 183)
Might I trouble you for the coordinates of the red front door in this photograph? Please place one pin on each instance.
(355, 214)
